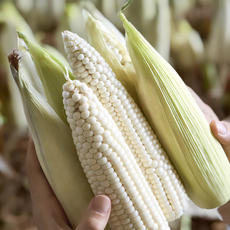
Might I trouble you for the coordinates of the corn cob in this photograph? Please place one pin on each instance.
(100, 36)
(108, 162)
(57, 156)
(179, 123)
(91, 69)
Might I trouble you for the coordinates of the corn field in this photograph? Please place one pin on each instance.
(192, 35)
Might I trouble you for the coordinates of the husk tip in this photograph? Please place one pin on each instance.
(86, 15)
(121, 16)
(88, 18)
(22, 36)
(127, 25)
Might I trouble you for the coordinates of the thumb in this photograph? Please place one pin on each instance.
(221, 130)
(97, 214)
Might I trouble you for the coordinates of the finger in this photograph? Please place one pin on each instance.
(221, 130)
(97, 214)
(48, 213)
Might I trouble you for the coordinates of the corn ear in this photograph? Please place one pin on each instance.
(98, 87)
(109, 164)
(90, 7)
(114, 52)
(50, 71)
(109, 9)
(179, 123)
(55, 150)
(46, 123)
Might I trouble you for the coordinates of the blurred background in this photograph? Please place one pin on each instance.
(193, 35)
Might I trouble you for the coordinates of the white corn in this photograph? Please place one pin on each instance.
(109, 165)
(137, 133)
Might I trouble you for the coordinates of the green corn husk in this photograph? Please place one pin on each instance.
(90, 7)
(124, 71)
(55, 149)
(110, 9)
(179, 123)
(28, 68)
(52, 86)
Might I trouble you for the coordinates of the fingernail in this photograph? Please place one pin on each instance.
(221, 128)
(101, 204)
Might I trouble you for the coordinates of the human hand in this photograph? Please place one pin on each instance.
(221, 130)
(48, 212)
